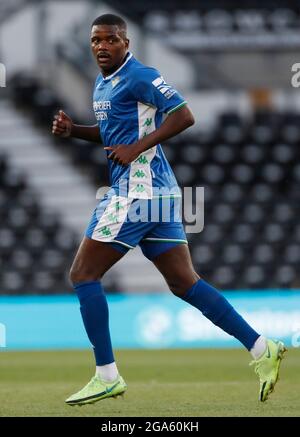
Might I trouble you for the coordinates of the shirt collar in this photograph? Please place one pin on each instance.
(127, 58)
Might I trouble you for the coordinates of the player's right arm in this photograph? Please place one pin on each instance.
(64, 127)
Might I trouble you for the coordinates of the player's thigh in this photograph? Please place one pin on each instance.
(177, 268)
(93, 259)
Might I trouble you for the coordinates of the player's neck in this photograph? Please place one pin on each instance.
(115, 68)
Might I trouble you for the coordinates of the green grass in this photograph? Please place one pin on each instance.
(161, 383)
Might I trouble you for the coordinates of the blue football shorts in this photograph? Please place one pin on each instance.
(153, 224)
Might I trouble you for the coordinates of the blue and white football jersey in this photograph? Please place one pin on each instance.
(129, 104)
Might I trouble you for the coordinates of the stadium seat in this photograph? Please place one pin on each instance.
(213, 173)
(218, 21)
(203, 255)
(223, 213)
(233, 254)
(13, 282)
(261, 193)
(252, 213)
(263, 254)
(255, 276)
(285, 276)
(252, 154)
(232, 192)
(185, 174)
(283, 213)
(187, 21)
(273, 233)
(192, 154)
(283, 153)
(292, 254)
(242, 173)
(212, 233)
(250, 21)
(225, 277)
(282, 19)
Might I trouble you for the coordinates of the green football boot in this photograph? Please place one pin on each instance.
(96, 390)
(267, 367)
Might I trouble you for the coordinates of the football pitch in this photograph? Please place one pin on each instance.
(161, 383)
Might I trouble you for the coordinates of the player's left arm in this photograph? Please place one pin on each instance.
(174, 123)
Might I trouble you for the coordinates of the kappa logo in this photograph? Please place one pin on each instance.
(139, 188)
(142, 159)
(105, 231)
(163, 87)
(112, 218)
(119, 206)
(139, 174)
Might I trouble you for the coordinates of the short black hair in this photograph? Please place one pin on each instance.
(111, 20)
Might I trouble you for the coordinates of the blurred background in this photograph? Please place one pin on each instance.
(233, 63)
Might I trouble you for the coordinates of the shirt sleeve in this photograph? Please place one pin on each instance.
(149, 87)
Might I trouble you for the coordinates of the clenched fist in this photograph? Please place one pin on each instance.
(62, 125)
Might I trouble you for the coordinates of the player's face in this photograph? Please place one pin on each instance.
(109, 46)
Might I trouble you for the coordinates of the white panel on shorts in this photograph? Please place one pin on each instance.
(112, 219)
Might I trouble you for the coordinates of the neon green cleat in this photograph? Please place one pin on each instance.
(267, 367)
(96, 390)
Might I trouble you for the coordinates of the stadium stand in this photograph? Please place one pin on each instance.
(211, 17)
(32, 96)
(34, 257)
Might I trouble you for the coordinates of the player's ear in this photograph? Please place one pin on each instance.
(126, 43)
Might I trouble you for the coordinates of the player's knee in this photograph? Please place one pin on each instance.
(178, 287)
(181, 284)
(75, 276)
(82, 275)
(177, 291)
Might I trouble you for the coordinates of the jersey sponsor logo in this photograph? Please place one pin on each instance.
(101, 115)
(163, 87)
(101, 107)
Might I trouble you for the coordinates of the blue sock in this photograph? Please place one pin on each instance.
(218, 310)
(94, 312)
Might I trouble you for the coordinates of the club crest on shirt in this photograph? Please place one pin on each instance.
(115, 81)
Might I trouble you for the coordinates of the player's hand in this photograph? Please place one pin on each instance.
(62, 125)
(123, 154)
